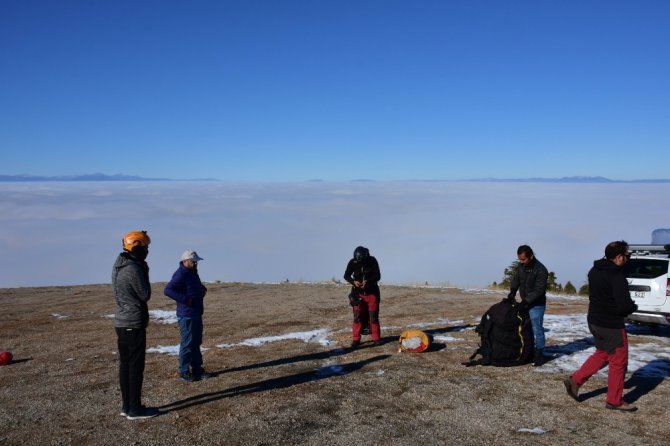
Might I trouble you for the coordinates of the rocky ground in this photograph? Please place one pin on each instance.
(62, 387)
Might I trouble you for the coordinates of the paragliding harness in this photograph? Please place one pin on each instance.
(506, 337)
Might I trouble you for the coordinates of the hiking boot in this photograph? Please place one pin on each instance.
(142, 413)
(624, 407)
(571, 387)
(186, 377)
(355, 344)
(538, 359)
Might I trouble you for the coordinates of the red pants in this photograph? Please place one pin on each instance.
(615, 375)
(367, 309)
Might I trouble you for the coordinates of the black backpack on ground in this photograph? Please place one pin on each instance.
(506, 337)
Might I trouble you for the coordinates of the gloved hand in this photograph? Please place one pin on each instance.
(511, 298)
(354, 300)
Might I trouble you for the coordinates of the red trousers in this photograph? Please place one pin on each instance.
(615, 375)
(368, 309)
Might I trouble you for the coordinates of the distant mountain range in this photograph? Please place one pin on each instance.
(121, 177)
(87, 177)
(576, 179)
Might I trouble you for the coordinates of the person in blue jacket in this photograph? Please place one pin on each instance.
(188, 291)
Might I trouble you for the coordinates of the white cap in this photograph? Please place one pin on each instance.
(191, 255)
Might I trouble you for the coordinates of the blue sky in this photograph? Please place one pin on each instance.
(335, 90)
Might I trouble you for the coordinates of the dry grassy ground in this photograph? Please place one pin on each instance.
(62, 387)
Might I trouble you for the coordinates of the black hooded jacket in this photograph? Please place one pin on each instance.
(366, 269)
(609, 298)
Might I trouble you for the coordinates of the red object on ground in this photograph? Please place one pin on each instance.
(5, 358)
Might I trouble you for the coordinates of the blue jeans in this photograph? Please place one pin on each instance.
(536, 320)
(189, 349)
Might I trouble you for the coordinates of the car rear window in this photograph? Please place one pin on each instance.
(645, 268)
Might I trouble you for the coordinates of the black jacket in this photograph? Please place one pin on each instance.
(367, 269)
(531, 281)
(609, 298)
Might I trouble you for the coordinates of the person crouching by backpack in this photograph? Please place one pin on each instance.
(530, 279)
(188, 291)
(363, 274)
(609, 304)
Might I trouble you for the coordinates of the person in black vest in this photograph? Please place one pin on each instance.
(609, 304)
(363, 274)
(530, 279)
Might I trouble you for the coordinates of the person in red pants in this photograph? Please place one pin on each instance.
(363, 274)
(609, 304)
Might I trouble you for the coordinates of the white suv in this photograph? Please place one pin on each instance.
(649, 283)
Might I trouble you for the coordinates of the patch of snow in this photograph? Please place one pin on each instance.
(444, 338)
(438, 322)
(535, 430)
(172, 350)
(485, 291)
(163, 316)
(319, 335)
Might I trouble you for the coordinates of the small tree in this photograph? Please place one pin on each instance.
(552, 285)
(508, 274)
(584, 290)
(569, 288)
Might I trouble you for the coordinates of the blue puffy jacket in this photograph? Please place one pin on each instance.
(186, 288)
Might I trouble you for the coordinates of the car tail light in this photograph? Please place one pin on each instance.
(667, 288)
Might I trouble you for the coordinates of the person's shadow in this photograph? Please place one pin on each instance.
(552, 352)
(283, 361)
(456, 328)
(270, 384)
(646, 379)
(648, 330)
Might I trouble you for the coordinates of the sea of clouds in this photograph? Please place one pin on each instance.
(456, 233)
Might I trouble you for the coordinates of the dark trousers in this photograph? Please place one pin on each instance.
(132, 343)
